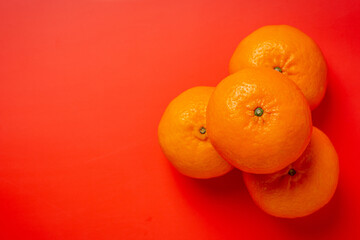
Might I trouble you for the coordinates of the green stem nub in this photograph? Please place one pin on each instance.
(259, 112)
(292, 172)
(202, 130)
(278, 69)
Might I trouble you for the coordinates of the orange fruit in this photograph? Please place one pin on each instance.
(288, 50)
(301, 188)
(258, 120)
(183, 136)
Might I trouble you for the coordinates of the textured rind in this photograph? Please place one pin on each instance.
(190, 152)
(311, 188)
(254, 144)
(293, 51)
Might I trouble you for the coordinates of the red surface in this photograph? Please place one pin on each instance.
(82, 89)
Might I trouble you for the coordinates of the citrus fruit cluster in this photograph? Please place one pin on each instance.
(258, 120)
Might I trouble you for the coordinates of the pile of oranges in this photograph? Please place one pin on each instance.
(258, 119)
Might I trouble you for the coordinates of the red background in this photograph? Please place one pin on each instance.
(83, 85)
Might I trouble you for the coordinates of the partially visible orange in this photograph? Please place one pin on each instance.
(286, 49)
(302, 187)
(183, 136)
(258, 120)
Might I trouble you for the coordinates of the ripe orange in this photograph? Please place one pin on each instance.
(302, 187)
(288, 50)
(183, 136)
(258, 120)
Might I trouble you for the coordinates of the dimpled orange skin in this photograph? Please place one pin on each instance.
(312, 186)
(189, 151)
(293, 51)
(255, 144)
